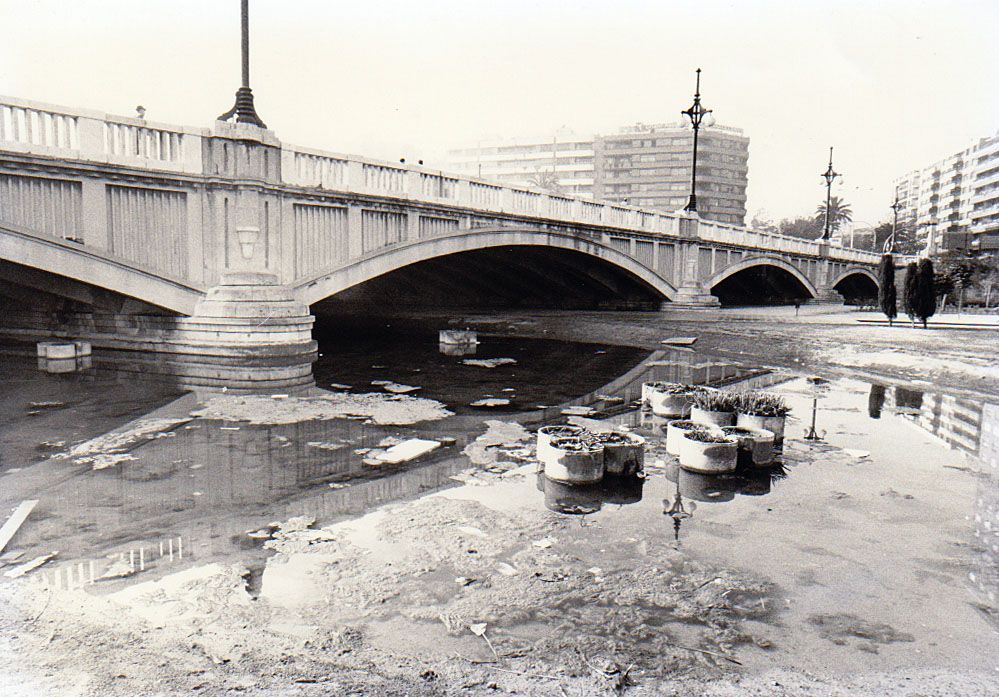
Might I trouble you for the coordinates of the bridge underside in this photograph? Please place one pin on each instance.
(497, 278)
(761, 285)
(857, 289)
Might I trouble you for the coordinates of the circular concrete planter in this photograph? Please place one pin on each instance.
(674, 433)
(708, 458)
(774, 424)
(712, 418)
(574, 461)
(756, 445)
(665, 401)
(547, 433)
(624, 453)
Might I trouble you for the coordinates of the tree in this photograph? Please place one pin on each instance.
(839, 213)
(546, 180)
(886, 289)
(925, 292)
(909, 294)
(806, 228)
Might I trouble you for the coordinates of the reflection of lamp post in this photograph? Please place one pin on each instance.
(812, 434)
(696, 113)
(676, 511)
(829, 175)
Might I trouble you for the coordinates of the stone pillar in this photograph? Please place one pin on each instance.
(249, 313)
(826, 293)
(690, 291)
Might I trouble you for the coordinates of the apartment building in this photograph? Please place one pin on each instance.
(642, 165)
(954, 203)
(562, 162)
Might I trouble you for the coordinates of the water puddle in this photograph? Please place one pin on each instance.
(858, 513)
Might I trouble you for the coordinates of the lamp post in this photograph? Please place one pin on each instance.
(243, 109)
(829, 175)
(895, 208)
(697, 114)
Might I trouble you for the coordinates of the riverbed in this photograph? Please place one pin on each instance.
(864, 563)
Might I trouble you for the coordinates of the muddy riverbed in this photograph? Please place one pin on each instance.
(256, 545)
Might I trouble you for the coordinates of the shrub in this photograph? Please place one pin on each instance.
(703, 435)
(909, 296)
(715, 400)
(763, 404)
(687, 425)
(925, 292)
(886, 292)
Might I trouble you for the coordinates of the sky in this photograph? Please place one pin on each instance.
(892, 85)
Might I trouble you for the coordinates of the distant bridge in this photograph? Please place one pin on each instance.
(137, 234)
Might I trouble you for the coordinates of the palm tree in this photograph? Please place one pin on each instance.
(546, 181)
(839, 213)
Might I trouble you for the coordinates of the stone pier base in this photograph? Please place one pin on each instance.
(246, 316)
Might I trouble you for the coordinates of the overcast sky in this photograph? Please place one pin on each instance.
(893, 85)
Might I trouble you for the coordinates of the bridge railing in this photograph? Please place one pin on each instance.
(78, 134)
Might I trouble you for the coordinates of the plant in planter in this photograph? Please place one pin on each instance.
(764, 410)
(676, 429)
(669, 398)
(708, 451)
(575, 461)
(624, 453)
(756, 446)
(714, 407)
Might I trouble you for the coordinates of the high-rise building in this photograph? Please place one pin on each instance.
(563, 162)
(643, 165)
(954, 204)
(649, 166)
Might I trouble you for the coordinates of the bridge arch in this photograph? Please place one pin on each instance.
(96, 268)
(761, 263)
(317, 287)
(856, 284)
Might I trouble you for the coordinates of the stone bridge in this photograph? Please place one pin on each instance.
(225, 241)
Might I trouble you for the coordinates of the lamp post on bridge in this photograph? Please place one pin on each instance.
(895, 208)
(243, 109)
(829, 175)
(697, 114)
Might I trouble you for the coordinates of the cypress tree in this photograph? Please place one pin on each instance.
(925, 291)
(909, 298)
(886, 291)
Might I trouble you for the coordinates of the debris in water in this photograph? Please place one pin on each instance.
(490, 402)
(679, 341)
(325, 445)
(464, 581)
(339, 386)
(408, 450)
(579, 411)
(380, 408)
(857, 453)
(545, 542)
(21, 570)
(15, 521)
(100, 462)
(489, 362)
(47, 405)
(610, 399)
(228, 428)
(398, 388)
(279, 396)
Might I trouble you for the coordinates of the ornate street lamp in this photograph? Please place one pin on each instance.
(829, 175)
(890, 242)
(243, 108)
(697, 115)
